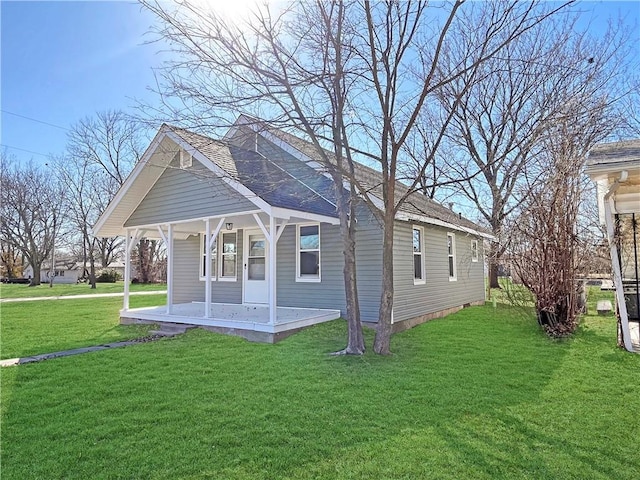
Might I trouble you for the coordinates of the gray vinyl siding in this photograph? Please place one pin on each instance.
(186, 194)
(329, 292)
(187, 285)
(438, 292)
(186, 267)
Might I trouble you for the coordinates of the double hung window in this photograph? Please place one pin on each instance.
(418, 255)
(451, 249)
(308, 253)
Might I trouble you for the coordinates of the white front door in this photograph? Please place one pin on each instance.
(256, 267)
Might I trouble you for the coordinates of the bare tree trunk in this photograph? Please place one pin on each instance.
(382, 342)
(35, 280)
(493, 272)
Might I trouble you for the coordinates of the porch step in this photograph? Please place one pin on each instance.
(170, 329)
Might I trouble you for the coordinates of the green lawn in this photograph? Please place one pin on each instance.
(46, 326)
(24, 291)
(480, 394)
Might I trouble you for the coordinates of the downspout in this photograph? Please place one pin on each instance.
(609, 207)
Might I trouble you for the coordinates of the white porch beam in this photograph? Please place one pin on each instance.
(129, 243)
(127, 270)
(210, 238)
(609, 208)
(207, 269)
(267, 234)
(281, 229)
(170, 269)
(273, 308)
(162, 235)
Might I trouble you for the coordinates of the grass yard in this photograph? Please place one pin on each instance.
(58, 290)
(29, 328)
(480, 394)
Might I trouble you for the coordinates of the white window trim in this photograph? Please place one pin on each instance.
(203, 277)
(423, 279)
(452, 255)
(299, 278)
(221, 257)
(474, 251)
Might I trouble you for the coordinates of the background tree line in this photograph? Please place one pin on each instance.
(51, 208)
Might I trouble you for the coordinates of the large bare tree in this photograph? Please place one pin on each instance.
(352, 76)
(101, 151)
(497, 141)
(31, 212)
(550, 240)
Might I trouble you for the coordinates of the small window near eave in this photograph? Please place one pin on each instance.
(474, 250)
(186, 160)
(418, 255)
(451, 254)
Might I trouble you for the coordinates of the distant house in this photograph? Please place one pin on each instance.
(615, 167)
(253, 237)
(66, 270)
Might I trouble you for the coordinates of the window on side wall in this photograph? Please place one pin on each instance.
(418, 255)
(229, 254)
(214, 257)
(308, 253)
(474, 250)
(451, 251)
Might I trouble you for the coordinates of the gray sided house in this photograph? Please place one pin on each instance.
(253, 238)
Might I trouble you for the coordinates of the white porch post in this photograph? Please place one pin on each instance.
(617, 273)
(209, 239)
(127, 270)
(207, 269)
(273, 239)
(170, 270)
(129, 243)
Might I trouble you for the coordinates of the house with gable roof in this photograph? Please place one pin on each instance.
(253, 237)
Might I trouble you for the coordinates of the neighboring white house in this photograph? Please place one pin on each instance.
(615, 167)
(253, 238)
(65, 271)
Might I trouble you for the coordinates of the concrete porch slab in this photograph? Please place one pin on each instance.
(245, 320)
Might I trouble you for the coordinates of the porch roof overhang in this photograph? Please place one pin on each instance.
(163, 148)
(241, 220)
(626, 178)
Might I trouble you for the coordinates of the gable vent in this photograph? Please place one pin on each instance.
(186, 160)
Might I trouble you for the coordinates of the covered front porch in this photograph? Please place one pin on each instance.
(236, 253)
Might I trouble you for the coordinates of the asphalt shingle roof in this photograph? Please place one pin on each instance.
(371, 180)
(259, 174)
(615, 152)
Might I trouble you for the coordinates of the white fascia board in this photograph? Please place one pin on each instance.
(126, 186)
(408, 217)
(286, 214)
(222, 174)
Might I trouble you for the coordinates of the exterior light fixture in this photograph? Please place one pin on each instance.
(229, 226)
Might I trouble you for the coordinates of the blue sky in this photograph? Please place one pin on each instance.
(63, 61)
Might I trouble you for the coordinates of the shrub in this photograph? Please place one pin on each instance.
(108, 276)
